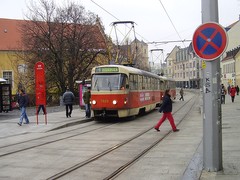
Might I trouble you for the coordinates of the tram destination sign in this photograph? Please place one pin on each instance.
(106, 69)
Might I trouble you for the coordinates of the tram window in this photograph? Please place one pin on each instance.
(108, 81)
(148, 83)
(145, 83)
(151, 83)
(133, 82)
(155, 84)
(162, 85)
(140, 82)
(123, 81)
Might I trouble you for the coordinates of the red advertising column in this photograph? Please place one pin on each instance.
(40, 88)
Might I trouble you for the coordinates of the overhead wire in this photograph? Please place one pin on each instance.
(105, 10)
(138, 33)
(171, 22)
(117, 19)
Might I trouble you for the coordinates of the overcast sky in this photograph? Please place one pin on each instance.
(151, 18)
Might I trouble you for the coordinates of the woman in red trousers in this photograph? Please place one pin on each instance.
(166, 108)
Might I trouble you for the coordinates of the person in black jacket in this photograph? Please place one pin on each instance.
(166, 108)
(68, 100)
(23, 102)
(87, 99)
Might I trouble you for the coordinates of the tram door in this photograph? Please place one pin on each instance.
(83, 86)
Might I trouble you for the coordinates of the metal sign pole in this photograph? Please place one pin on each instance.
(212, 125)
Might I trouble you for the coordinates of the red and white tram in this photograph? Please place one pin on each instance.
(122, 91)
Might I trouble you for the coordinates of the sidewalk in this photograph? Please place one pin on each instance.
(230, 143)
(56, 118)
(180, 155)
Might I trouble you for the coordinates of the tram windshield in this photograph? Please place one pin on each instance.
(108, 82)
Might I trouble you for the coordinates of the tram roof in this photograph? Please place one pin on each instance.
(133, 70)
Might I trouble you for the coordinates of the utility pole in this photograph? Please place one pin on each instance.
(212, 120)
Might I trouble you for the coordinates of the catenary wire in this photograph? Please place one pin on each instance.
(171, 22)
(117, 19)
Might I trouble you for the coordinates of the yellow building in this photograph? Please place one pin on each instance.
(9, 46)
(230, 59)
(12, 67)
(229, 68)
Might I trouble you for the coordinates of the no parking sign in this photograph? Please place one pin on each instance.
(209, 41)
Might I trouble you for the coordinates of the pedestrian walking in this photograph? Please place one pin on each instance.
(181, 94)
(68, 100)
(237, 89)
(87, 99)
(232, 93)
(223, 94)
(166, 108)
(23, 102)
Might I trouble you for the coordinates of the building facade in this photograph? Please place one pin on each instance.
(181, 68)
(12, 68)
(140, 51)
(230, 60)
(187, 68)
(170, 62)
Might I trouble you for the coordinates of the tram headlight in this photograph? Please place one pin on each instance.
(125, 101)
(114, 102)
(94, 102)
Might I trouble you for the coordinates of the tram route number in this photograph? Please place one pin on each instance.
(104, 101)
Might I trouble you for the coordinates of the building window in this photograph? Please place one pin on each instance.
(8, 76)
(22, 68)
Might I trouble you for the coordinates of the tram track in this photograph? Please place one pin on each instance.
(126, 165)
(145, 151)
(2, 154)
(97, 136)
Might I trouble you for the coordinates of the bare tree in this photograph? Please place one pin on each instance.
(66, 39)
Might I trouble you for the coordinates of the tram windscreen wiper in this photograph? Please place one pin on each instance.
(96, 84)
(109, 85)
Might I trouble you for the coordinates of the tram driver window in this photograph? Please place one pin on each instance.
(123, 81)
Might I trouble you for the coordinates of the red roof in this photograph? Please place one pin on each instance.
(10, 35)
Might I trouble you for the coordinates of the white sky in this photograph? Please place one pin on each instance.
(152, 22)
